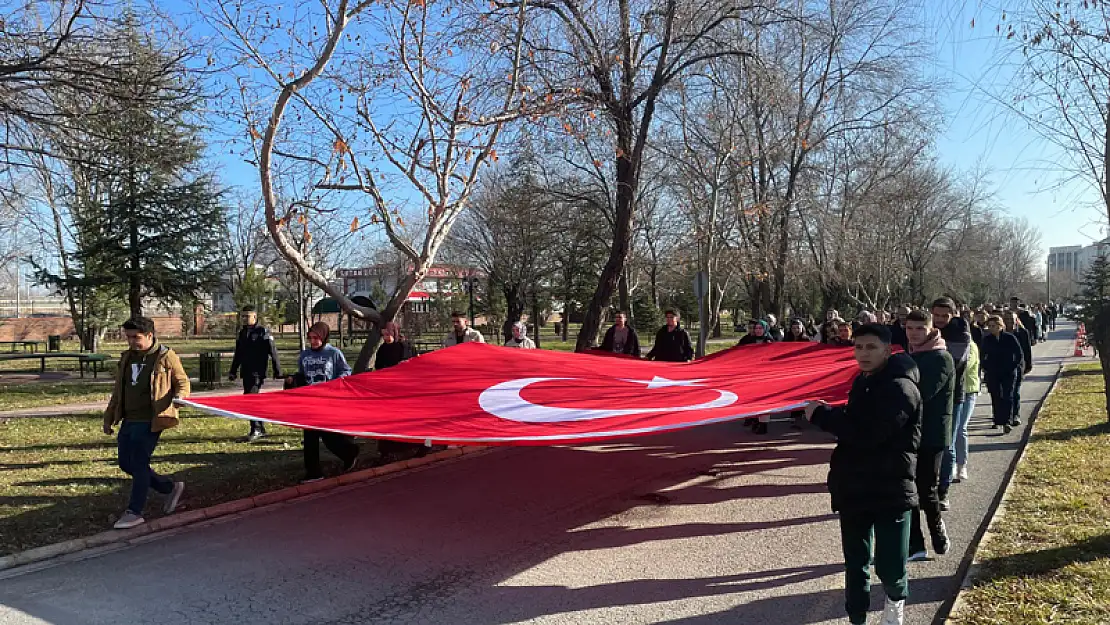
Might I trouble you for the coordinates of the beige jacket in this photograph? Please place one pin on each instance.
(469, 336)
(168, 381)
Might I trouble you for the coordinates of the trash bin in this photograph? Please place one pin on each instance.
(54, 343)
(210, 370)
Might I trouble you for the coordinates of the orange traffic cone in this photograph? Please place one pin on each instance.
(1078, 348)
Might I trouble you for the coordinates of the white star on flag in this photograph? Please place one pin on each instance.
(661, 382)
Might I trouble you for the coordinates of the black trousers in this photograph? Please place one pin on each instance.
(928, 480)
(252, 384)
(1002, 390)
(343, 446)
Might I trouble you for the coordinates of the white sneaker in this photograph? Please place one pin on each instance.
(894, 612)
(174, 497)
(962, 472)
(918, 556)
(128, 520)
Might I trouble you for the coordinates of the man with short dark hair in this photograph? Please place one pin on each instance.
(937, 386)
(149, 378)
(462, 332)
(672, 341)
(255, 350)
(621, 338)
(957, 339)
(871, 472)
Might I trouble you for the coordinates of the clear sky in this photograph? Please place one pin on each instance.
(1023, 169)
(979, 134)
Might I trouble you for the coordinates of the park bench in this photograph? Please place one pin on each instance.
(33, 345)
(93, 362)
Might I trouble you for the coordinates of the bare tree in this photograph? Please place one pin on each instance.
(618, 58)
(396, 86)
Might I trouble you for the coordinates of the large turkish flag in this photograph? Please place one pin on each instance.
(482, 394)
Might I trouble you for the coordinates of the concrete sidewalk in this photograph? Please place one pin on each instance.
(711, 525)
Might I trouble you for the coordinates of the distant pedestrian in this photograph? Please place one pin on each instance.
(520, 337)
(829, 328)
(621, 338)
(150, 377)
(1053, 311)
(1002, 359)
(462, 333)
(321, 363)
(1014, 326)
(255, 351)
(672, 341)
(871, 472)
(898, 328)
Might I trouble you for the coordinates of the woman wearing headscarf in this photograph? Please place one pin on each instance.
(757, 333)
(394, 348)
(520, 337)
(321, 363)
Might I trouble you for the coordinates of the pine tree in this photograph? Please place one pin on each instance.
(1094, 311)
(146, 217)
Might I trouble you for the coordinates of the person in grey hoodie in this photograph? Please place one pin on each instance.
(321, 363)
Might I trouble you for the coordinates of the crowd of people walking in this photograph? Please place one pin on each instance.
(902, 438)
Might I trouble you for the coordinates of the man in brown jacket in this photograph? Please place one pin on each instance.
(150, 377)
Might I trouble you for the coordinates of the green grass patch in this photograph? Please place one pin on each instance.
(59, 479)
(31, 395)
(1048, 558)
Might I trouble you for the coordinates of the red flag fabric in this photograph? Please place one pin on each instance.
(482, 394)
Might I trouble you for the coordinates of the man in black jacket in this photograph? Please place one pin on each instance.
(621, 338)
(1002, 360)
(1025, 340)
(957, 340)
(898, 328)
(937, 386)
(872, 470)
(254, 351)
(672, 342)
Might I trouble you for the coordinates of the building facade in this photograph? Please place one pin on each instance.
(1068, 264)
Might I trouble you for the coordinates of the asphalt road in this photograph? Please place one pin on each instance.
(711, 525)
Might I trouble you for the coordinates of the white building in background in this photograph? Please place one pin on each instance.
(1068, 264)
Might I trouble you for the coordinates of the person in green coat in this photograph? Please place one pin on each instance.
(937, 386)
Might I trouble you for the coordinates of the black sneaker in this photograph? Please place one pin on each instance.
(944, 504)
(1006, 429)
(940, 539)
(350, 466)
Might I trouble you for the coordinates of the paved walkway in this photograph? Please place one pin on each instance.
(705, 526)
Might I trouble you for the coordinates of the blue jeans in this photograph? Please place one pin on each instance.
(957, 451)
(135, 446)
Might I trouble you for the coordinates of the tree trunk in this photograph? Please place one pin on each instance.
(514, 309)
(628, 182)
(134, 287)
(535, 320)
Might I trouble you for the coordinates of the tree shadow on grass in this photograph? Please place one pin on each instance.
(1097, 429)
(1045, 561)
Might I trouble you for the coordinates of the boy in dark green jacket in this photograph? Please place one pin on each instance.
(938, 387)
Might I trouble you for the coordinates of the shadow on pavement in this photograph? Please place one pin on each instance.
(1098, 429)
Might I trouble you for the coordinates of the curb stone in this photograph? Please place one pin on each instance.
(105, 542)
(973, 567)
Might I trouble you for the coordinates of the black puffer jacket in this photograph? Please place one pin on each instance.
(672, 346)
(875, 461)
(254, 351)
